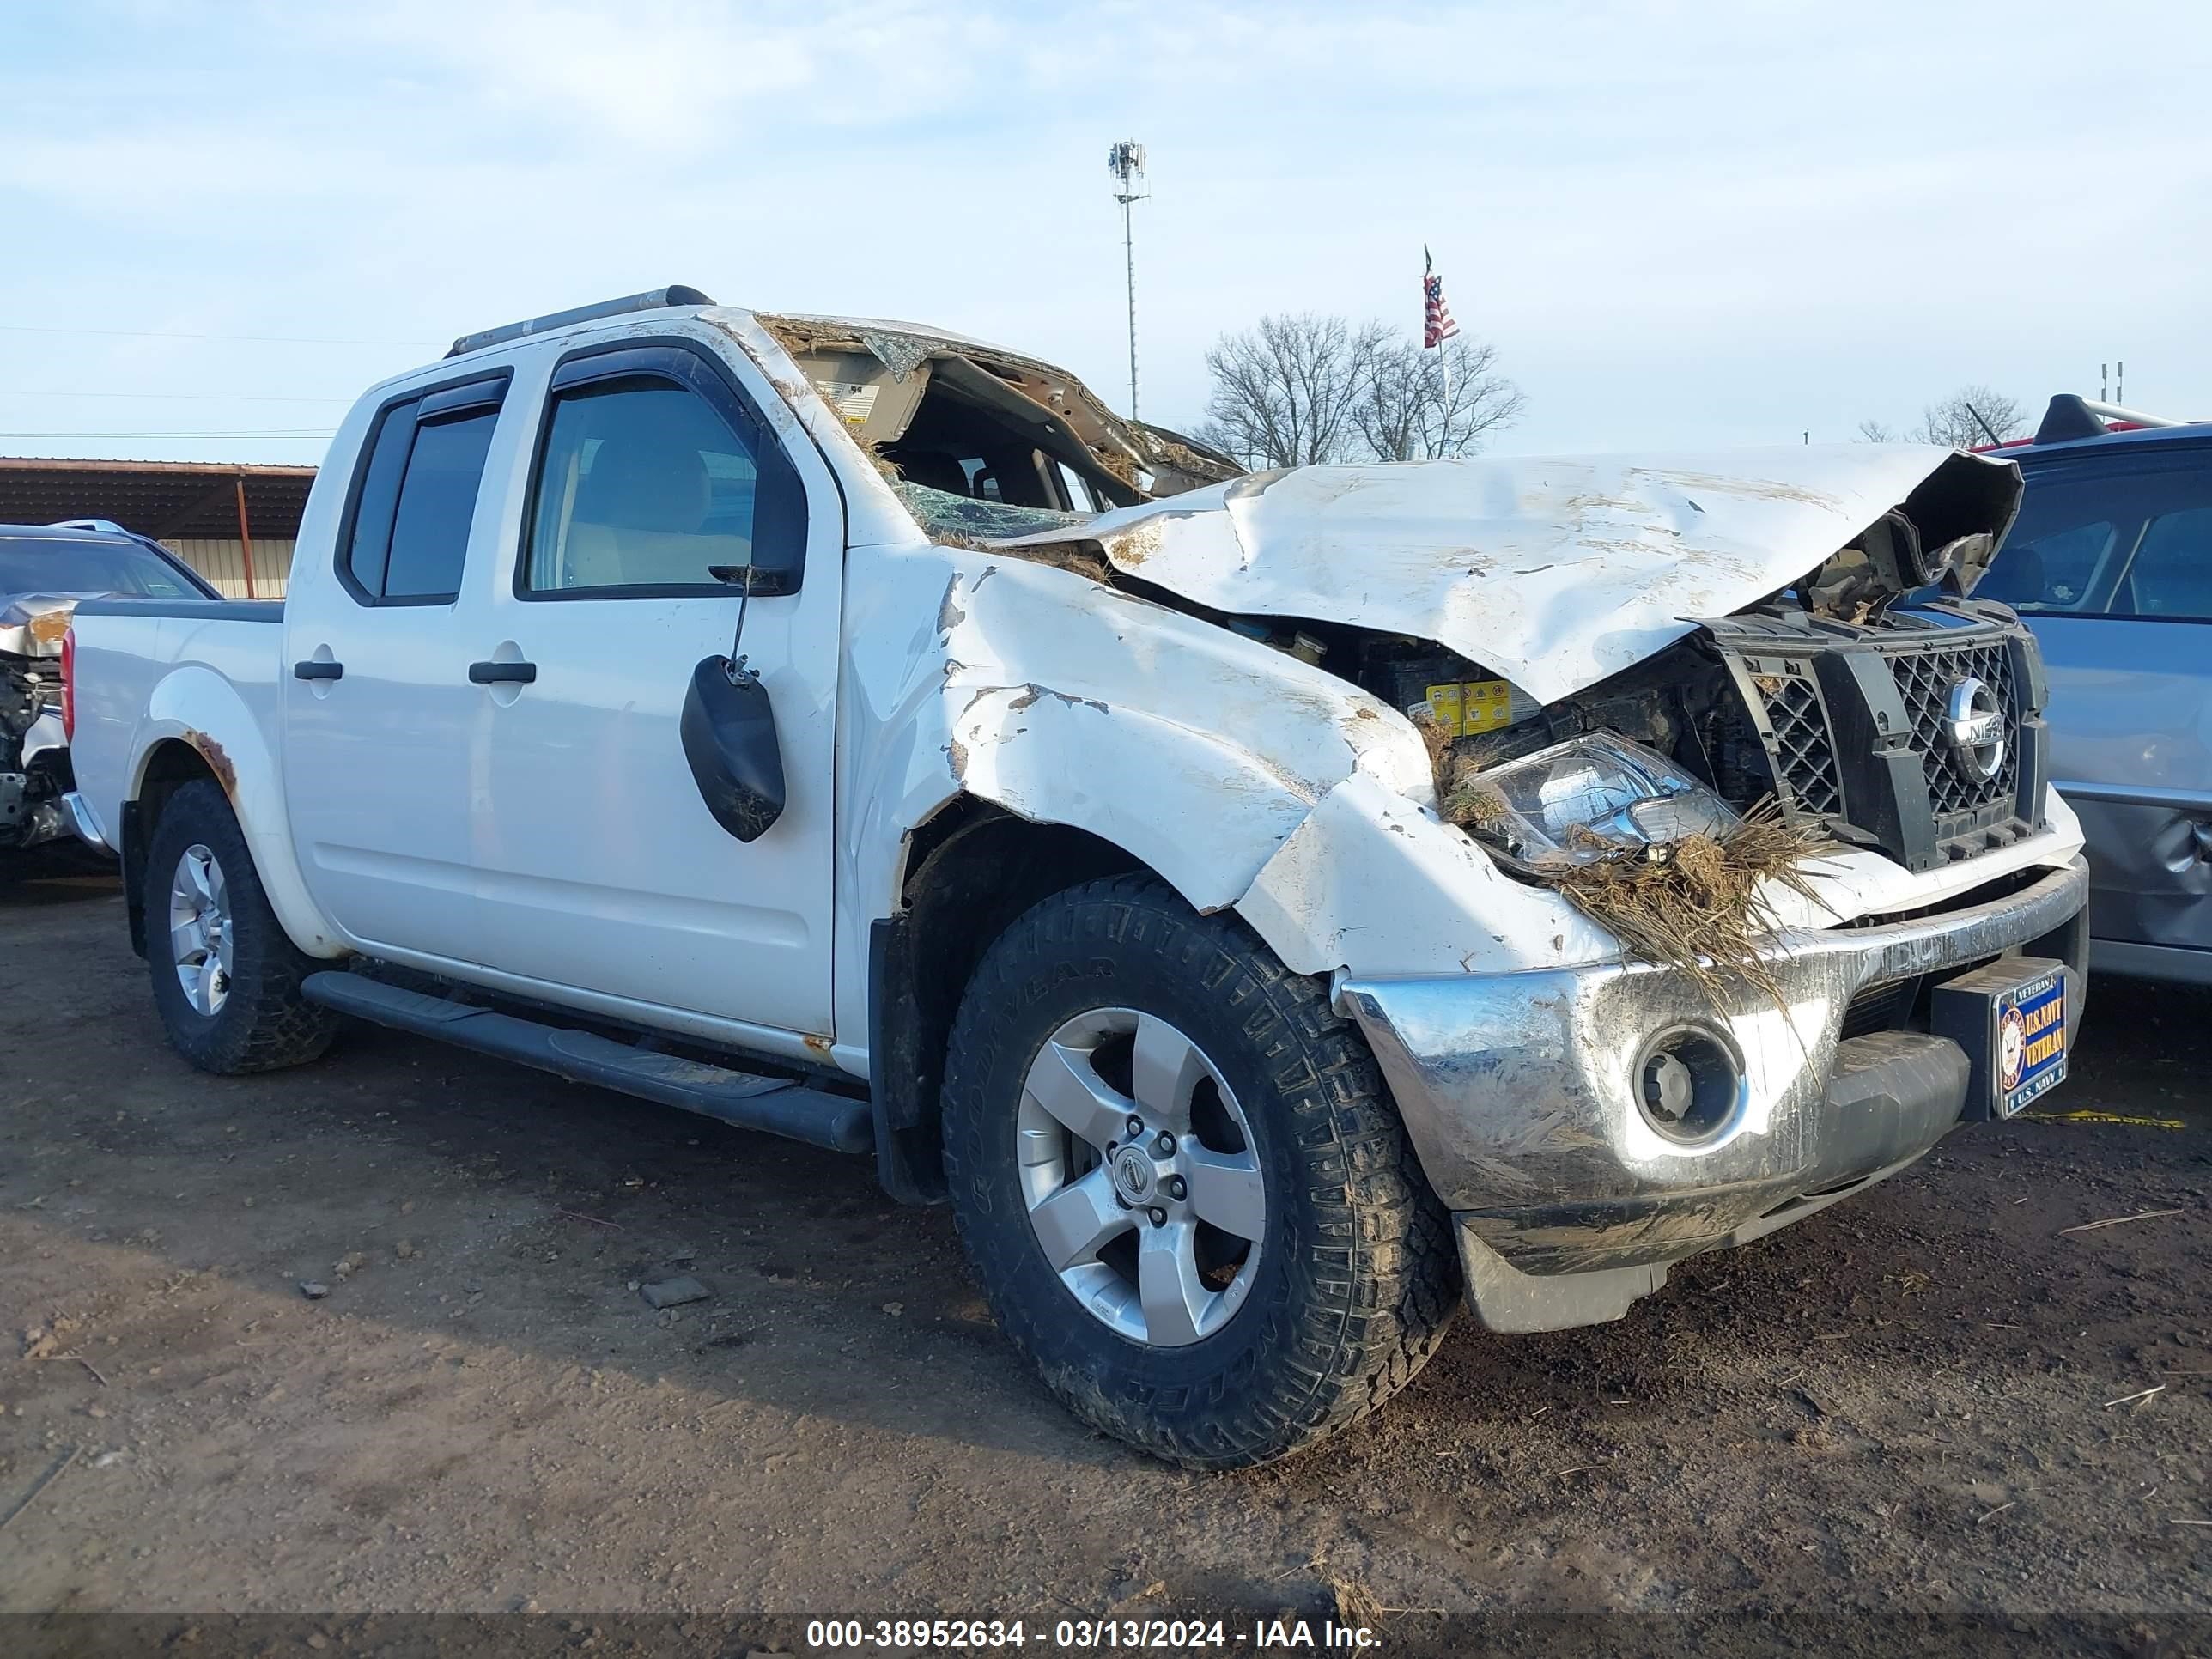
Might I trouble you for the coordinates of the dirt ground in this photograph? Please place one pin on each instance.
(1918, 1401)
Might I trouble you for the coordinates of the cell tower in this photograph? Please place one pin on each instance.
(1125, 161)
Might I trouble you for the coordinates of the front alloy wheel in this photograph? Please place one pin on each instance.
(1138, 1168)
(1182, 1182)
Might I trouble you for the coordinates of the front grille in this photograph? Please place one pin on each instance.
(1924, 679)
(1848, 726)
(1803, 752)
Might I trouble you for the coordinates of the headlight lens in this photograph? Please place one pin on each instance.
(1587, 798)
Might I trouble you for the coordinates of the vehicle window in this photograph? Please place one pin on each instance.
(643, 486)
(2100, 539)
(2058, 550)
(1080, 495)
(39, 564)
(2053, 572)
(417, 497)
(437, 500)
(380, 494)
(2172, 574)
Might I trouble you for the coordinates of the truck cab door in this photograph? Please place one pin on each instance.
(379, 711)
(663, 474)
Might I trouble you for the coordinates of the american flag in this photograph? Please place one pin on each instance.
(1436, 324)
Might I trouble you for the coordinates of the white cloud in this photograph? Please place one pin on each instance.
(1682, 223)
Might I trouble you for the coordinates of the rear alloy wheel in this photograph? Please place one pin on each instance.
(200, 930)
(1182, 1182)
(225, 976)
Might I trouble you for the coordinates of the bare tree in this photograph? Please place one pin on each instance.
(1410, 409)
(1972, 415)
(1284, 392)
(1877, 432)
(1297, 391)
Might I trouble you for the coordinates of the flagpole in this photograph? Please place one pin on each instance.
(1443, 363)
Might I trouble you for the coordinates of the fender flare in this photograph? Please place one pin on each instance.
(197, 707)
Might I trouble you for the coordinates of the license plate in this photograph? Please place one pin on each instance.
(2030, 1058)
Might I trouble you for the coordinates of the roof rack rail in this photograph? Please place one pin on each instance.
(107, 526)
(658, 299)
(2070, 416)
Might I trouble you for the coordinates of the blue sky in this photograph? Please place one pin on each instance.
(1682, 224)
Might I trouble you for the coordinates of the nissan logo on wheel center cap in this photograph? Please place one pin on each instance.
(1975, 726)
(1133, 1174)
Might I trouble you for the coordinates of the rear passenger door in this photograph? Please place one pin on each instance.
(2111, 564)
(380, 719)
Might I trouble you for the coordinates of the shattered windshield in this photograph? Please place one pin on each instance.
(943, 515)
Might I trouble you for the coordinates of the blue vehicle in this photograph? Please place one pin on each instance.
(2110, 562)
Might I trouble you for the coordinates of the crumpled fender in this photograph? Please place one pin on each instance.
(1190, 747)
(1376, 881)
(195, 705)
(1247, 780)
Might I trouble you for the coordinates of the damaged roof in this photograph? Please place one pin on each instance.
(871, 371)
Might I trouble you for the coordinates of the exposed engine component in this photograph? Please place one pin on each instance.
(34, 770)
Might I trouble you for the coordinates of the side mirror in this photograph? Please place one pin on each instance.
(728, 730)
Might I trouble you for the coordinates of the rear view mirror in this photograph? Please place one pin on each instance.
(728, 730)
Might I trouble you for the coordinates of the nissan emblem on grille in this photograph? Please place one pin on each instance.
(1974, 725)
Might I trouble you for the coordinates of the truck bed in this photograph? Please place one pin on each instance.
(159, 665)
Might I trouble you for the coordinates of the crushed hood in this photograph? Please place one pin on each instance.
(1552, 573)
(32, 624)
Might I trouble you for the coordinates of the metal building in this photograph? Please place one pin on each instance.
(233, 524)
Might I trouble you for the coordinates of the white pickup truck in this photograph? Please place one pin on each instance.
(836, 728)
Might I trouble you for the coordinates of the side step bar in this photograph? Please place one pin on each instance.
(775, 1104)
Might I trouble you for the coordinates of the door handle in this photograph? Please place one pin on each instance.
(312, 670)
(496, 673)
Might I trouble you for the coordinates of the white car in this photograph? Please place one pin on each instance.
(829, 725)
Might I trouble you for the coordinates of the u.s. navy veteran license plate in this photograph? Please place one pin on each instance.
(2031, 1041)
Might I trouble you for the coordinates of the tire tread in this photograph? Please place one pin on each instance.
(264, 1024)
(1380, 1284)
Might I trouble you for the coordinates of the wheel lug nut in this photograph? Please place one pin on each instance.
(1159, 1218)
(1136, 1127)
(1164, 1144)
(1177, 1188)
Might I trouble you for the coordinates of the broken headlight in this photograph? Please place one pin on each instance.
(1587, 798)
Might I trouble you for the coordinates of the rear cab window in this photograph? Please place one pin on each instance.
(414, 494)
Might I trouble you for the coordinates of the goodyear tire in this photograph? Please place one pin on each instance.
(1181, 1183)
(226, 976)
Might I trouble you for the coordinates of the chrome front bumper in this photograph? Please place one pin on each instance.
(1519, 1091)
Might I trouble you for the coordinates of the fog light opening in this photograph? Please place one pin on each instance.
(1687, 1083)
